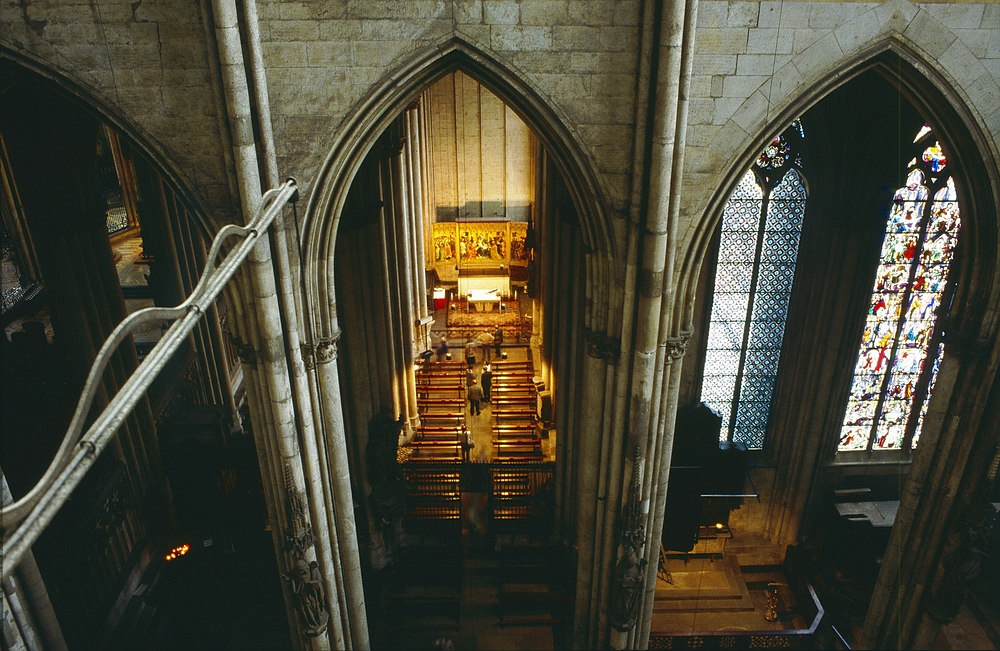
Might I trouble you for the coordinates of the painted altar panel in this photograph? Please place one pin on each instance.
(479, 244)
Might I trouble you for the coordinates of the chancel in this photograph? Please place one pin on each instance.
(502, 324)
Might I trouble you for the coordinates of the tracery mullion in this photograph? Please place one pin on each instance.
(752, 297)
(904, 307)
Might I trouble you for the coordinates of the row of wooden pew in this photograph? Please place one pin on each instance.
(441, 405)
(514, 400)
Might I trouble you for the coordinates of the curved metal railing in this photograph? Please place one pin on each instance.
(25, 519)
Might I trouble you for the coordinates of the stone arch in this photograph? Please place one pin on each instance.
(972, 152)
(371, 117)
(91, 101)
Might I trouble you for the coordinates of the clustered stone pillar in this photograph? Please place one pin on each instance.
(308, 497)
(660, 335)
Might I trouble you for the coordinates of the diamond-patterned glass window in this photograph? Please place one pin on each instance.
(758, 245)
(901, 346)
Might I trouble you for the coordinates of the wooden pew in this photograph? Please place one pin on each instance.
(441, 391)
(436, 451)
(442, 419)
(508, 414)
(507, 402)
(516, 446)
(450, 430)
(510, 449)
(507, 364)
(514, 431)
(455, 364)
(450, 378)
(438, 404)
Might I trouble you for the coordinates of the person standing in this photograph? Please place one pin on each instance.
(485, 341)
(470, 353)
(442, 350)
(475, 395)
(487, 380)
(497, 340)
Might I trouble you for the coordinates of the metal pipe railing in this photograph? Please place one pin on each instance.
(23, 521)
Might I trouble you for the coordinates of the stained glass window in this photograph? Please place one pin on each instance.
(901, 350)
(758, 244)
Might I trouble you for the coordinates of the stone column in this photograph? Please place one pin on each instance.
(28, 619)
(299, 494)
(353, 597)
(653, 380)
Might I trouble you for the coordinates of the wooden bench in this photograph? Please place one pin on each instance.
(504, 364)
(529, 449)
(436, 451)
(453, 430)
(441, 391)
(512, 445)
(440, 403)
(507, 414)
(508, 402)
(446, 436)
(442, 419)
(524, 376)
(455, 364)
(453, 379)
(517, 431)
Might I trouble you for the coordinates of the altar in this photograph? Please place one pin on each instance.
(483, 300)
(470, 282)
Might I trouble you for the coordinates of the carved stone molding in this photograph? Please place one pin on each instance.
(603, 346)
(306, 350)
(247, 353)
(326, 349)
(677, 346)
(630, 572)
(304, 578)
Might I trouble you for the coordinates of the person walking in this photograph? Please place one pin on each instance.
(497, 340)
(442, 350)
(487, 380)
(475, 395)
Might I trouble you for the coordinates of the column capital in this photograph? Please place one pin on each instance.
(245, 351)
(677, 346)
(603, 346)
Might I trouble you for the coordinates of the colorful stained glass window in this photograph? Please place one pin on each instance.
(900, 349)
(758, 244)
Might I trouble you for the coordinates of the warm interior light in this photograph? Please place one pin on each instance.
(719, 525)
(177, 552)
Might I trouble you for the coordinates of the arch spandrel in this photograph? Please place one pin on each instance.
(373, 115)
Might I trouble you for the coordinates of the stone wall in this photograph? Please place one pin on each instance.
(324, 58)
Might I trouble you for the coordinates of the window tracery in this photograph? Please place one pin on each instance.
(759, 240)
(900, 349)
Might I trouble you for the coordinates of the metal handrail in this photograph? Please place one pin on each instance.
(25, 519)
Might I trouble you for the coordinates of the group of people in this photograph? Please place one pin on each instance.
(478, 388)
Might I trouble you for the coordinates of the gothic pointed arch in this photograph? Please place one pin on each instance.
(928, 87)
(373, 115)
